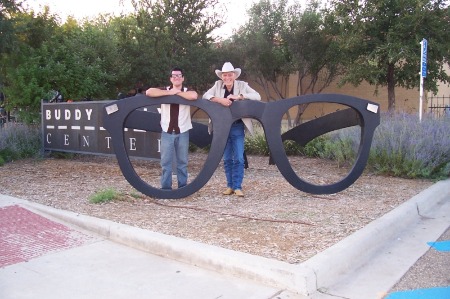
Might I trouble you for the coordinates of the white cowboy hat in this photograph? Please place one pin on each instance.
(226, 68)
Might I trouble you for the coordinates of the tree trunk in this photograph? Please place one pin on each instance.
(391, 87)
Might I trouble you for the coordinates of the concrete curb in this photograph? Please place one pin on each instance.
(267, 271)
(360, 247)
(306, 278)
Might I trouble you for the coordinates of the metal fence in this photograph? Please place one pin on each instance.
(439, 106)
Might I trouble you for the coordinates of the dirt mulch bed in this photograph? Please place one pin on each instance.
(273, 220)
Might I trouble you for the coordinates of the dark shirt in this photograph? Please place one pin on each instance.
(174, 112)
(227, 93)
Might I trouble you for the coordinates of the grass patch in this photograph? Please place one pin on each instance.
(105, 195)
(136, 195)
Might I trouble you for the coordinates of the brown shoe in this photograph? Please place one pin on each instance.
(229, 191)
(239, 193)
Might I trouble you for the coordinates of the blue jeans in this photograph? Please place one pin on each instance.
(233, 156)
(174, 145)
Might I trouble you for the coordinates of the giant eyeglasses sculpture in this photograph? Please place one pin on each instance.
(330, 115)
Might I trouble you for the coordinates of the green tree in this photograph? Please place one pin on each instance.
(81, 61)
(280, 41)
(168, 33)
(93, 63)
(260, 49)
(7, 10)
(98, 58)
(380, 39)
(30, 31)
(314, 54)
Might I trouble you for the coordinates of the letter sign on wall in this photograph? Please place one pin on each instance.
(78, 127)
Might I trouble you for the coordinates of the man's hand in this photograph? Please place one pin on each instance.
(226, 101)
(234, 97)
(222, 101)
(173, 91)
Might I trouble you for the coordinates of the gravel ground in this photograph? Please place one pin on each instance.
(430, 271)
(273, 220)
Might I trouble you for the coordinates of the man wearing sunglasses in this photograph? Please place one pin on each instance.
(175, 125)
(225, 92)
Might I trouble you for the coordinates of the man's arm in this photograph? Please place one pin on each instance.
(156, 92)
(188, 95)
(249, 93)
(212, 91)
(210, 95)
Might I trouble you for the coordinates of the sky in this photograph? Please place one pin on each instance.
(90, 8)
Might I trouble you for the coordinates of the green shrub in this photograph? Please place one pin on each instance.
(340, 150)
(256, 145)
(292, 148)
(315, 147)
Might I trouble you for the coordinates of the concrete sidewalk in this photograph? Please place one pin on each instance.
(95, 263)
(42, 257)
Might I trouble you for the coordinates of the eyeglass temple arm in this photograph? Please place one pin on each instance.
(144, 120)
(199, 135)
(304, 133)
(151, 121)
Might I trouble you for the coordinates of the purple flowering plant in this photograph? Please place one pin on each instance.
(18, 141)
(406, 147)
(402, 146)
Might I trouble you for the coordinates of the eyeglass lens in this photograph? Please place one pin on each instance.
(180, 165)
(330, 156)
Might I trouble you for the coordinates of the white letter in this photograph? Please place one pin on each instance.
(67, 114)
(57, 114)
(88, 113)
(85, 141)
(49, 135)
(107, 142)
(132, 144)
(48, 114)
(66, 139)
(77, 114)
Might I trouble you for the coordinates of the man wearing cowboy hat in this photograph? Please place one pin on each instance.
(225, 92)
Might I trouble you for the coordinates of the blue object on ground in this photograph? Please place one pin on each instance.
(440, 246)
(434, 293)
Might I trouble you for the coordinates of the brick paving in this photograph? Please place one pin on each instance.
(25, 235)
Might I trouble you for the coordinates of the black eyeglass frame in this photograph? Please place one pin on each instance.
(124, 113)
